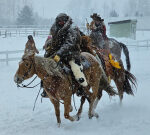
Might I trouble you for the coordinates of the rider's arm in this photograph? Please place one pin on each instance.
(69, 44)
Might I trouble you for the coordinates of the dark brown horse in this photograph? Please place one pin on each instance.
(113, 45)
(122, 78)
(58, 85)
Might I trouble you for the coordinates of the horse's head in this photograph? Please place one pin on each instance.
(26, 68)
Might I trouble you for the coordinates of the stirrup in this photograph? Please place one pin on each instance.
(80, 91)
(43, 94)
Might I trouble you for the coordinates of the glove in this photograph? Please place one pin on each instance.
(56, 58)
(114, 63)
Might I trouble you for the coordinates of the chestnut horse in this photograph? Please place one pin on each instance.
(58, 85)
(122, 78)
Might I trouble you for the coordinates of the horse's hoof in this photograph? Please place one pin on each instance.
(76, 117)
(58, 125)
(96, 115)
(90, 116)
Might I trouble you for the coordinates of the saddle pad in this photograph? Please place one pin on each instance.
(85, 63)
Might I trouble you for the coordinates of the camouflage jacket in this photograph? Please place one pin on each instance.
(65, 42)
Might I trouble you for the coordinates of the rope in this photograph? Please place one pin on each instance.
(26, 86)
(30, 82)
(36, 98)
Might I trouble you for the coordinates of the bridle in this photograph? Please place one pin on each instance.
(27, 72)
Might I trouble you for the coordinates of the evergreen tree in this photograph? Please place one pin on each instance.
(113, 13)
(25, 16)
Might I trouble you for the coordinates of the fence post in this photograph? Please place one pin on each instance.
(147, 43)
(7, 58)
(5, 33)
(137, 43)
(34, 33)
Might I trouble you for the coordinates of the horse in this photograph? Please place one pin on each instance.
(122, 77)
(113, 45)
(58, 85)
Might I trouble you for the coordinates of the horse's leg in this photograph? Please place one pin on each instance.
(94, 107)
(57, 110)
(93, 101)
(78, 115)
(56, 106)
(67, 104)
(119, 84)
(99, 95)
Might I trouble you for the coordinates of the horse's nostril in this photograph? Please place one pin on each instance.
(17, 79)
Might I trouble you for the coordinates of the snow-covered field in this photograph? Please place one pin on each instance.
(16, 104)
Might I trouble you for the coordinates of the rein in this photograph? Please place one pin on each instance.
(26, 86)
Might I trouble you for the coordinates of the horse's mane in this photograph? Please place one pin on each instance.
(49, 65)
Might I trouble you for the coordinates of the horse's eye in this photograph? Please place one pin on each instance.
(26, 64)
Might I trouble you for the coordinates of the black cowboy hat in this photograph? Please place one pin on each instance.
(30, 37)
(97, 17)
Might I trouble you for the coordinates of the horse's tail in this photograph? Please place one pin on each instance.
(104, 85)
(129, 79)
(126, 52)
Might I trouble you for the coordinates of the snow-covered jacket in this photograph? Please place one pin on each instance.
(65, 41)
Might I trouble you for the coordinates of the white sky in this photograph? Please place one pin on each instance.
(50, 8)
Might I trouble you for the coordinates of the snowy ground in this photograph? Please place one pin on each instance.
(17, 117)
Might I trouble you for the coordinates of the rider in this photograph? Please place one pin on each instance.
(65, 46)
(30, 46)
(97, 25)
(99, 38)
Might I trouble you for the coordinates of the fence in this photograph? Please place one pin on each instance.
(13, 31)
(7, 54)
(23, 32)
(138, 43)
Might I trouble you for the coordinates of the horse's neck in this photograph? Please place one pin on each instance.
(46, 67)
(39, 67)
